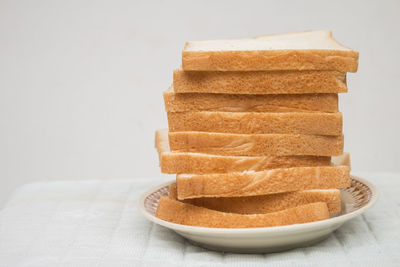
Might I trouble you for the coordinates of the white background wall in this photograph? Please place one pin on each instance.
(81, 81)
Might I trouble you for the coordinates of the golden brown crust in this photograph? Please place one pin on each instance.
(180, 102)
(256, 122)
(182, 213)
(259, 82)
(270, 60)
(256, 144)
(264, 203)
(238, 184)
(172, 162)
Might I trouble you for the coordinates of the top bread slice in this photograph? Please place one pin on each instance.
(311, 50)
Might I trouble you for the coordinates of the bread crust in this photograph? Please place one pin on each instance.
(257, 122)
(259, 82)
(256, 144)
(175, 162)
(237, 184)
(270, 60)
(172, 162)
(264, 203)
(181, 102)
(182, 213)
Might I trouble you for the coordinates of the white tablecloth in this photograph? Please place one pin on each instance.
(96, 223)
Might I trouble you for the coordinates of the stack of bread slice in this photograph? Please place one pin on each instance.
(255, 135)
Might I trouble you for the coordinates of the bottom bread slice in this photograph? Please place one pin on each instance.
(200, 163)
(264, 203)
(187, 214)
(251, 183)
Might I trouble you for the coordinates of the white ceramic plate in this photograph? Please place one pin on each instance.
(356, 199)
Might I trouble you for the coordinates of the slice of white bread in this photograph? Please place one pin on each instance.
(177, 102)
(312, 50)
(310, 123)
(264, 203)
(260, 82)
(342, 160)
(187, 214)
(256, 144)
(176, 162)
(250, 183)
